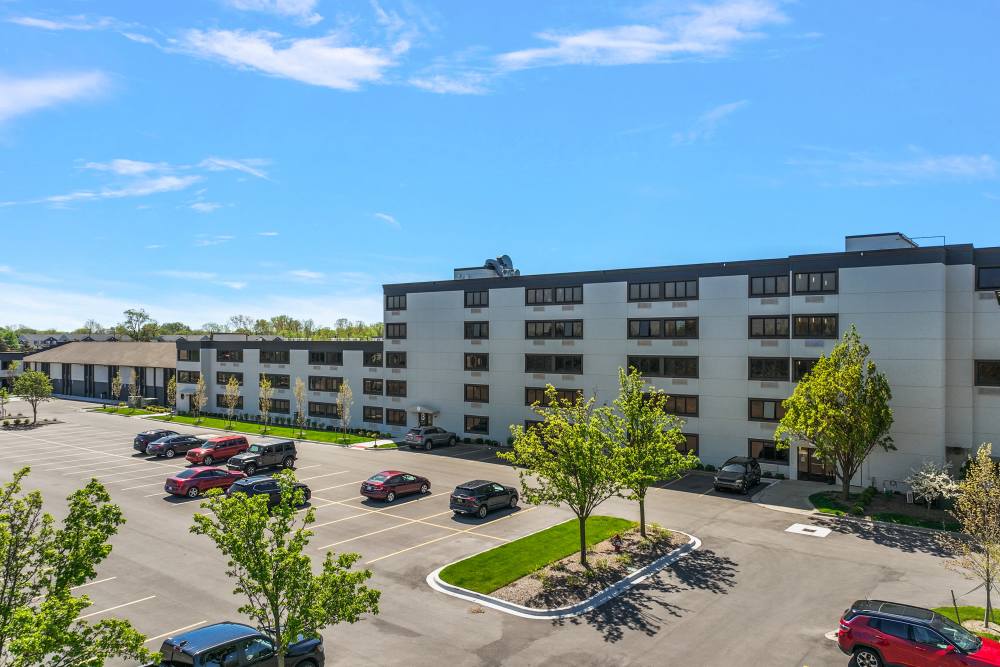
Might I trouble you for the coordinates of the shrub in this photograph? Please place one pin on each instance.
(709, 467)
(6, 422)
(779, 475)
(768, 474)
(479, 441)
(858, 510)
(467, 441)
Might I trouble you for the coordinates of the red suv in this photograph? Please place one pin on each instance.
(218, 449)
(192, 482)
(878, 633)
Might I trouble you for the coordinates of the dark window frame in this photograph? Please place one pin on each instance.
(477, 393)
(531, 329)
(662, 289)
(551, 295)
(222, 377)
(181, 375)
(477, 298)
(284, 358)
(634, 328)
(320, 382)
(281, 384)
(764, 319)
(978, 378)
(780, 457)
(763, 281)
(671, 403)
(395, 302)
(312, 407)
(368, 412)
(220, 402)
(395, 359)
(372, 359)
(688, 438)
(188, 355)
(326, 358)
(476, 355)
(476, 329)
(811, 334)
(398, 388)
(796, 375)
(230, 355)
(666, 365)
(554, 366)
(395, 330)
(366, 386)
(779, 410)
(768, 378)
(391, 415)
(537, 394)
(281, 406)
(484, 420)
(809, 280)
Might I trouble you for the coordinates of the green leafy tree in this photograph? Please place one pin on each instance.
(116, 386)
(134, 390)
(265, 549)
(172, 392)
(174, 328)
(345, 400)
(33, 387)
(139, 325)
(300, 405)
(568, 459)
(841, 408)
(647, 437)
(198, 398)
(9, 339)
(266, 394)
(40, 563)
(231, 398)
(4, 399)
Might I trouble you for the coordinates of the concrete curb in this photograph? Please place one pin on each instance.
(258, 435)
(434, 581)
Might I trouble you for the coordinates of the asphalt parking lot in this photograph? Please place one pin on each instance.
(754, 592)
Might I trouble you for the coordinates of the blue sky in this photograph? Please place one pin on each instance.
(212, 157)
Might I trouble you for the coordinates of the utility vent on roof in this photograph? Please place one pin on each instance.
(501, 267)
(887, 241)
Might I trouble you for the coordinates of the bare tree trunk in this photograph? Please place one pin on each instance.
(845, 487)
(642, 514)
(34, 412)
(583, 540)
(989, 590)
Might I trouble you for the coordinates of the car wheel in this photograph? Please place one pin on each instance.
(866, 657)
(452, 441)
(250, 470)
(513, 502)
(389, 497)
(482, 511)
(208, 460)
(288, 462)
(307, 663)
(428, 445)
(423, 488)
(193, 492)
(170, 453)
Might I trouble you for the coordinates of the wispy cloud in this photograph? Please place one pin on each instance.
(864, 169)
(306, 275)
(456, 83)
(206, 240)
(267, 233)
(205, 206)
(233, 284)
(303, 11)
(186, 275)
(21, 96)
(387, 219)
(153, 246)
(67, 23)
(124, 167)
(706, 125)
(250, 166)
(140, 188)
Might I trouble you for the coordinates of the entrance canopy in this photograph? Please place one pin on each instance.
(423, 410)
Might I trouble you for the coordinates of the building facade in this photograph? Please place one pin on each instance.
(727, 341)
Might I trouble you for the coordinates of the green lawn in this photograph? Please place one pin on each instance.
(902, 519)
(826, 504)
(972, 614)
(125, 412)
(493, 569)
(273, 431)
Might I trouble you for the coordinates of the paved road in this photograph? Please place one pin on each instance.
(753, 593)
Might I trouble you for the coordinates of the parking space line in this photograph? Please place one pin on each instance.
(127, 480)
(140, 486)
(174, 632)
(336, 487)
(329, 474)
(408, 520)
(155, 494)
(314, 465)
(91, 583)
(383, 530)
(88, 467)
(127, 604)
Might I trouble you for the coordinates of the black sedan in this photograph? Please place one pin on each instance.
(172, 445)
(262, 484)
(480, 497)
(143, 439)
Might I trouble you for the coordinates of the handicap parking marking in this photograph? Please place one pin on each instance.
(805, 529)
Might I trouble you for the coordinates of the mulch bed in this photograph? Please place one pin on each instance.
(566, 582)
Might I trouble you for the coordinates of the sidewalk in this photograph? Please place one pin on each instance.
(789, 495)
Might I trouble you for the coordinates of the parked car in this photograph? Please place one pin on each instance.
(142, 440)
(740, 473)
(264, 455)
(428, 436)
(262, 484)
(481, 497)
(218, 449)
(172, 445)
(192, 482)
(389, 484)
(235, 644)
(877, 633)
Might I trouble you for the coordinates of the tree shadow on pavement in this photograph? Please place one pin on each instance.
(641, 608)
(887, 535)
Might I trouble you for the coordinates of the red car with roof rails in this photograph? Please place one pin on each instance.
(192, 482)
(219, 448)
(876, 633)
(389, 484)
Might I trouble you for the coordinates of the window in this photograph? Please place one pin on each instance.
(988, 373)
(765, 410)
(188, 355)
(769, 368)
(280, 406)
(690, 444)
(767, 450)
(324, 383)
(395, 302)
(924, 635)
(769, 327)
(371, 414)
(477, 424)
(222, 377)
(553, 363)
(670, 290)
(188, 377)
(543, 295)
(395, 417)
(814, 326)
(534, 395)
(680, 289)
(325, 410)
(893, 628)
(395, 330)
(769, 285)
(673, 327)
(553, 329)
(479, 299)
(477, 393)
(220, 402)
(395, 388)
(371, 386)
(685, 406)
(274, 356)
(816, 282)
(229, 355)
(373, 359)
(395, 359)
(988, 277)
(257, 649)
(327, 357)
(675, 367)
(645, 291)
(477, 330)
(800, 367)
(277, 381)
(477, 361)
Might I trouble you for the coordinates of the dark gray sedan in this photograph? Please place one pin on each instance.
(172, 445)
(427, 436)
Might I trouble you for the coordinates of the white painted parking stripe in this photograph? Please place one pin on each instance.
(328, 488)
(127, 604)
(174, 632)
(85, 468)
(91, 583)
(141, 486)
(329, 474)
(383, 530)
(314, 465)
(161, 493)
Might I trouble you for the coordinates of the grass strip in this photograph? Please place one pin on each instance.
(904, 520)
(494, 569)
(254, 428)
(126, 412)
(972, 614)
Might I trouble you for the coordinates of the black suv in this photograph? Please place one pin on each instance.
(480, 497)
(253, 486)
(172, 445)
(233, 645)
(264, 455)
(740, 473)
(143, 439)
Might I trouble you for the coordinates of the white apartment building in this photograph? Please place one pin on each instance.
(726, 340)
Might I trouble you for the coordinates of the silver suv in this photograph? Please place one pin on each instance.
(428, 436)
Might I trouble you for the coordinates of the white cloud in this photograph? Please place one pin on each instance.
(140, 188)
(205, 206)
(459, 83)
(320, 61)
(153, 246)
(205, 240)
(250, 166)
(141, 39)
(21, 96)
(124, 167)
(303, 274)
(267, 233)
(862, 169)
(186, 275)
(68, 23)
(301, 10)
(387, 219)
(5, 269)
(708, 122)
(703, 31)
(233, 284)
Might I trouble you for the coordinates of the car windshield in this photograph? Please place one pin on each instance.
(956, 634)
(184, 474)
(466, 491)
(377, 478)
(733, 467)
(255, 449)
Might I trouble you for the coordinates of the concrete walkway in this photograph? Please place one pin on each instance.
(789, 495)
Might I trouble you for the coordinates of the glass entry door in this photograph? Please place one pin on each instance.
(813, 469)
(425, 419)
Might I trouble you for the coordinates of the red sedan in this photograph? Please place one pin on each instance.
(389, 484)
(192, 482)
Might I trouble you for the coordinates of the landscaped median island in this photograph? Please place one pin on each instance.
(889, 508)
(972, 619)
(255, 428)
(542, 572)
(128, 411)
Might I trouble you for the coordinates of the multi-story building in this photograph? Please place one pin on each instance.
(727, 341)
